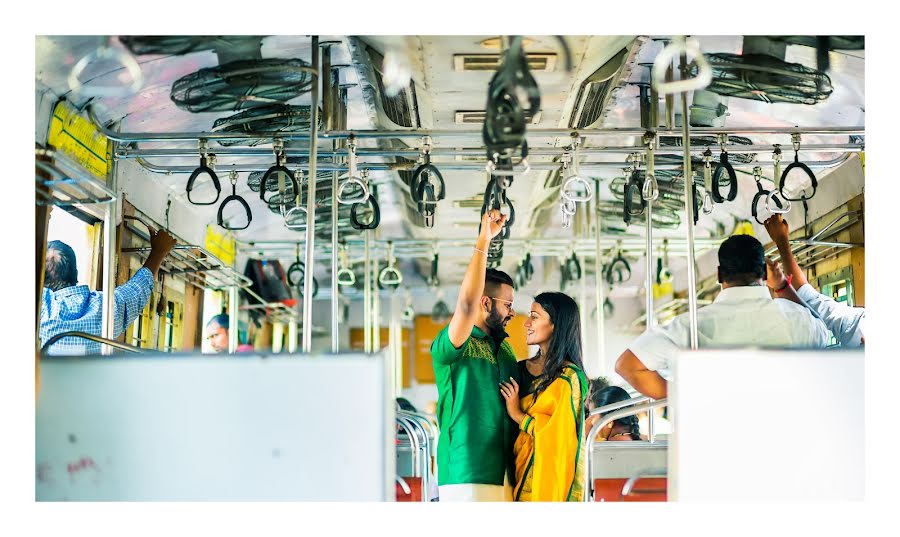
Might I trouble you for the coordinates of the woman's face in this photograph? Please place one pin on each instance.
(538, 327)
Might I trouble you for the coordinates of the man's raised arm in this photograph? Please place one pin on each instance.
(472, 288)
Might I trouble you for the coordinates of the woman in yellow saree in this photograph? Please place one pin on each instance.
(549, 407)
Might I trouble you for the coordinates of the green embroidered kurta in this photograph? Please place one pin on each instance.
(477, 434)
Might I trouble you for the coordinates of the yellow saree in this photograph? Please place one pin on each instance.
(549, 451)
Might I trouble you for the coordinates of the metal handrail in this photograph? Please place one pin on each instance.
(91, 337)
(649, 472)
(621, 404)
(603, 422)
(411, 427)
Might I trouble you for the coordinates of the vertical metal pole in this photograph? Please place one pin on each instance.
(598, 286)
(330, 124)
(311, 202)
(367, 294)
(650, 140)
(232, 320)
(292, 335)
(110, 221)
(584, 318)
(395, 346)
(689, 208)
(376, 308)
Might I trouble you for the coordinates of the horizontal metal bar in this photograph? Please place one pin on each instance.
(466, 133)
(91, 337)
(471, 151)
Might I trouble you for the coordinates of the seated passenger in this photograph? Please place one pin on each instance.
(743, 314)
(69, 307)
(845, 322)
(217, 333)
(622, 429)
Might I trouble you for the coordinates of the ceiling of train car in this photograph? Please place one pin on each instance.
(442, 92)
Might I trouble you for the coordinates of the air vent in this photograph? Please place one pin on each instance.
(594, 92)
(402, 108)
(537, 61)
(477, 116)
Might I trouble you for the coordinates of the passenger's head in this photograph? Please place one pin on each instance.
(496, 303)
(554, 324)
(60, 268)
(217, 332)
(608, 396)
(742, 262)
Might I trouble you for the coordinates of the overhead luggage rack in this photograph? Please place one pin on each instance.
(276, 311)
(61, 181)
(199, 267)
(817, 247)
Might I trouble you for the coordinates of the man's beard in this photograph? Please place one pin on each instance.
(495, 321)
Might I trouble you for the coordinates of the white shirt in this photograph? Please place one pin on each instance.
(739, 317)
(845, 322)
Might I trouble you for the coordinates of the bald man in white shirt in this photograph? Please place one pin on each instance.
(744, 314)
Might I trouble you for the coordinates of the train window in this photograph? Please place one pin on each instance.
(79, 235)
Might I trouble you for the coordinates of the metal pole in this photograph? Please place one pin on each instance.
(450, 153)
(598, 286)
(367, 296)
(376, 308)
(292, 335)
(584, 318)
(689, 208)
(311, 204)
(396, 346)
(110, 221)
(232, 320)
(331, 121)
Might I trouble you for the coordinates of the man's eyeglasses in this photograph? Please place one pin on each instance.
(509, 303)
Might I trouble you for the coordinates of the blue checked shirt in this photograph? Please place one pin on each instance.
(77, 308)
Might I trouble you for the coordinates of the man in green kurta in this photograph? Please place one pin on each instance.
(471, 357)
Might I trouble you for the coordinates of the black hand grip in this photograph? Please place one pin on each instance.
(618, 264)
(265, 180)
(419, 180)
(203, 168)
(724, 167)
(632, 188)
(695, 201)
(296, 266)
(761, 194)
(234, 197)
(809, 173)
(426, 201)
(573, 267)
(376, 218)
(315, 286)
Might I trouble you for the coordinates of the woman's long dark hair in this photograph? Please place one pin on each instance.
(614, 394)
(565, 341)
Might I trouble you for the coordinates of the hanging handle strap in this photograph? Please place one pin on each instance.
(203, 169)
(664, 60)
(722, 168)
(376, 211)
(798, 165)
(233, 197)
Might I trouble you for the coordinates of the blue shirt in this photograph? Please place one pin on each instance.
(79, 309)
(845, 322)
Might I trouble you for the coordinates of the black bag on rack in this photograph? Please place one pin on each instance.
(269, 281)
